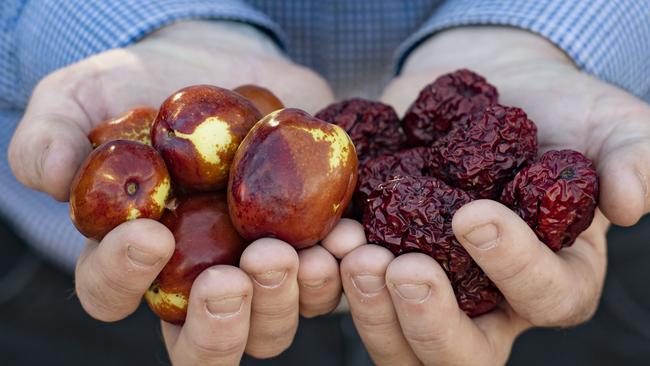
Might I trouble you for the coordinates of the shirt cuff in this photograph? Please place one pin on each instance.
(603, 37)
(53, 34)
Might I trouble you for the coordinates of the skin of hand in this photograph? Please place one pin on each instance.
(252, 309)
(404, 308)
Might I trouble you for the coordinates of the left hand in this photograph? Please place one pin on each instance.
(404, 308)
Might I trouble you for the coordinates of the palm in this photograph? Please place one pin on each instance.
(148, 72)
(571, 110)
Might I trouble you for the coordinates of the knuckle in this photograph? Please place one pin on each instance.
(375, 322)
(210, 349)
(266, 349)
(124, 283)
(424, 337)
(513, 271)
(97, 304)
(274, 312)
(272, 333)
(312, 310)
(560, 313)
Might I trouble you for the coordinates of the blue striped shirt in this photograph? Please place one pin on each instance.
(356, 45)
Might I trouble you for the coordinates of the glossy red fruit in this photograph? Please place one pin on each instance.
(292, 178)
(446, 103)
(557, 196)
(263, 99)
(414, 214)
(204, 237)
(372, 126)
(486, 153)
(134, 125)
(119, 181)
(197, 132)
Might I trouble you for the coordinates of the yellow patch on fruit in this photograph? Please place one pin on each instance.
(272, 121)
(335, 207)
(339, 144)
(134, 213)
(161, 193)
(161, 299)
(209, 138)
(138, 135)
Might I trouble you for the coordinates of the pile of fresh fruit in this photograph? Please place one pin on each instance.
(221, 168)
(457, 144)
(219, 175)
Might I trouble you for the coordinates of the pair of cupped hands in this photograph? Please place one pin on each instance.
(404, 308)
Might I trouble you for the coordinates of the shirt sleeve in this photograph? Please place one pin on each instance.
(40, 36)
(606, 38)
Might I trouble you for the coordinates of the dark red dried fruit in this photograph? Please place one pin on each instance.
(484, 154)
(372, 126)
(447, 102)
(557, 196)
(411, 162)
(413, 214)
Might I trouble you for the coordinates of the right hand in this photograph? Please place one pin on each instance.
(223, 319)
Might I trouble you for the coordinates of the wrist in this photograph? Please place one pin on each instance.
(485, 49)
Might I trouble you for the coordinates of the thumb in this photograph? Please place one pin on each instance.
(50, 142)
(624, 170)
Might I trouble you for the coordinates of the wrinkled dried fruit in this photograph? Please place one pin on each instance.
(447, 102)
(413, 214)
(557, 196)
(411, 162)
(484, 154)
(372, 126)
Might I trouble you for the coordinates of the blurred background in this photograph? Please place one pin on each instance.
(42, 322)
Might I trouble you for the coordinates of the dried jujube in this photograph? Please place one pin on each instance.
(372, 126)
(556, 196)
(414, 214)
(447, 102)
(481, 156)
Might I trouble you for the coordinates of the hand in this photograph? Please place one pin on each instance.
(252, 309)
(231, 310)
(404, 308)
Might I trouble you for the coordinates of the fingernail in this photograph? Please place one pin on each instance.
(270, 279)
(417, 292)
(225, 307)
(483, 236)
(141, 257)
(313, 284)
(368, 284)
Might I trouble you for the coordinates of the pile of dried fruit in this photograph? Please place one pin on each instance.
(460, 145)
(219, 175)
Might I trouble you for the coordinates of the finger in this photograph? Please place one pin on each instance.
(112, 276)
(50, 142)
(546, 288)
(217, 323)
(346, 236)
(624, 171)
(434, 326)
(363, 276)
(273, 266)
(319, 281)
